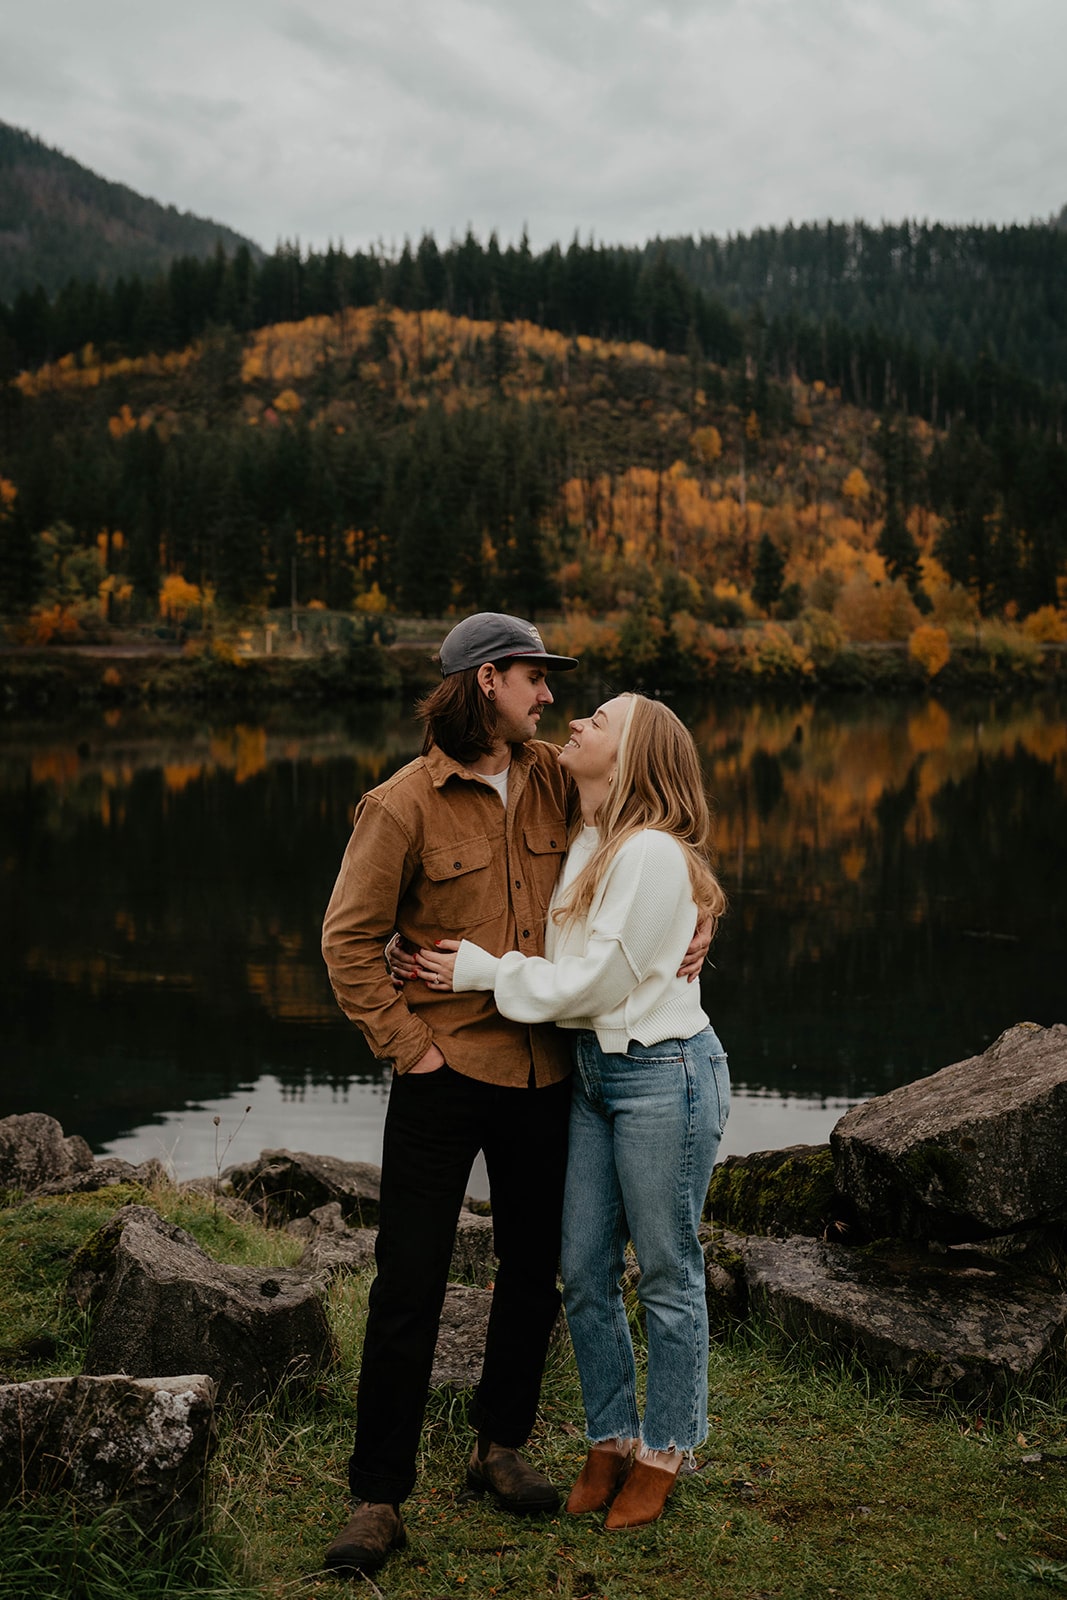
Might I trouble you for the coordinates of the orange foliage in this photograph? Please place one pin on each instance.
(856, 488)
(1047, 625)
(51, 625)
(67, 374)
(177, 597)
(124, 422)
(706, 445)
(372, 601)
(875, 611)
(929, 646)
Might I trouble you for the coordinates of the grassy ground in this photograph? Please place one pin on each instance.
(815, 1481)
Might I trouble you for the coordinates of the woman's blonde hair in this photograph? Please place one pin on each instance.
(657, 784)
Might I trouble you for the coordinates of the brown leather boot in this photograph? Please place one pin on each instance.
(367, 1538)
(598, 1482)
(511, 1481)
(641, 1498)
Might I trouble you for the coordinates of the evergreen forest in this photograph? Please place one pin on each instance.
(860, 427)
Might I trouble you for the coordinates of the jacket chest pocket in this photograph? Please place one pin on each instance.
(546, 845)
(464, 886)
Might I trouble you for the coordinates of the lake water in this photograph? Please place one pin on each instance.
(896, 874)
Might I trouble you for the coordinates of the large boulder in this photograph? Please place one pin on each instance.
(724, 1276)
(34, 1151)
(282, 1184)
(474, 1253)
(457, 1361)
(947, 1320)
(975, 1150)
(165, 1307)
(774, 1191)
(107, 1172)
(144, 1443)
(331, 1247)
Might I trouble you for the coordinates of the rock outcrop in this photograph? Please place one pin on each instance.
(38, 1158)
(975, 1150)
(774, 1191)
(34, 1151)
(973, 1155)
(163, 1307)
(141, 1443)
(283, 1184)
(948, 1320)
(724, 1281)
(457, 1361)
(332, 1247)
(107, 1172)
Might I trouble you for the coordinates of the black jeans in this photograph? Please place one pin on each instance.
(435, 1125)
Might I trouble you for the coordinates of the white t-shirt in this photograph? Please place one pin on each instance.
(499, 780)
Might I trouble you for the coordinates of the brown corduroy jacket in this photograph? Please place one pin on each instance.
(434, 855)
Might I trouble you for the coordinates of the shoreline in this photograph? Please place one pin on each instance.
(63, 678)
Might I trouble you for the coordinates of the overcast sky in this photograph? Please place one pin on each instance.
(360, 120)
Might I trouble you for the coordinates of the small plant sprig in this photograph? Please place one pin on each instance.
(220, 1157)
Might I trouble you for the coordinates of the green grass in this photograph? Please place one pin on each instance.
(815, 1481)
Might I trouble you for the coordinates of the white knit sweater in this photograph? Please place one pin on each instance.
(616, 970)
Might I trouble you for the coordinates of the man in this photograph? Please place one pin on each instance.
(467, 839)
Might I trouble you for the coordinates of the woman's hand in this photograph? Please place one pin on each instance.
(436, 966)
(695, 956)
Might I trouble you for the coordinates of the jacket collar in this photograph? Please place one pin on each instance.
(442, 767)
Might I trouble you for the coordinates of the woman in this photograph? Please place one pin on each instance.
(651, 1090)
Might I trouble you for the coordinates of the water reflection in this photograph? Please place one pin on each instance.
(892, 869)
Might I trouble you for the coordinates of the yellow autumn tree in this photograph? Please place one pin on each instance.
(177, 597)
(929, 646)
(875, 612)
(706, 446)
(1047, 625)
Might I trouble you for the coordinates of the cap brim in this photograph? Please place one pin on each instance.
(552, 663)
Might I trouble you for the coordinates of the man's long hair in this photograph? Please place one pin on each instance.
(458, 717)
(658, 784)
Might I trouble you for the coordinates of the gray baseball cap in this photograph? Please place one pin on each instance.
(494, 636)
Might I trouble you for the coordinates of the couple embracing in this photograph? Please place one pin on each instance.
(560, 903)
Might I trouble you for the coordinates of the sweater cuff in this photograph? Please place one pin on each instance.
(475, 968)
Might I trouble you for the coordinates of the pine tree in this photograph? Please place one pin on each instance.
(22, 572)
(897, 546)
(769, 573)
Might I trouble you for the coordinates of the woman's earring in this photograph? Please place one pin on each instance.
(490, 694)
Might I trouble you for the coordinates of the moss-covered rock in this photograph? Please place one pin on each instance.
(779, 1192)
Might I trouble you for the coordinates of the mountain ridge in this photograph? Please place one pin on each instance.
(61, 220)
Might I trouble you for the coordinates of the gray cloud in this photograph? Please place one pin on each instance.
(620, 118)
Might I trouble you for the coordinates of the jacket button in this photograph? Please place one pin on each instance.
(518, 885)
(552, 844)
(457, 865)
(526, 933)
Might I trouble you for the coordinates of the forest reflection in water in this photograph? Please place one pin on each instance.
(895, 870)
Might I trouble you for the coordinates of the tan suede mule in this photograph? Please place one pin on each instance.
(641, 1498)
(598, 1482)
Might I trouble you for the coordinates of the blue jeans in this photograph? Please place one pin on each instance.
(645, 1130)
